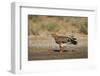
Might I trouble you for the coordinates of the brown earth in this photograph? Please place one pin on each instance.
(46, 49)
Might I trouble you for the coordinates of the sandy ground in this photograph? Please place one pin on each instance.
(47, 49)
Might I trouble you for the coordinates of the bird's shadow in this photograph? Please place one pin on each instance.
(59, 50)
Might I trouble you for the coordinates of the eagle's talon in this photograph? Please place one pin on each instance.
(61, 52)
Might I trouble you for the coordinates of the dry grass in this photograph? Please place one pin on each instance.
(57, 24)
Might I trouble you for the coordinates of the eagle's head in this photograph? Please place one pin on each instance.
(54, 35)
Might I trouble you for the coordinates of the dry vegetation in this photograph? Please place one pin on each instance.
(45, 25)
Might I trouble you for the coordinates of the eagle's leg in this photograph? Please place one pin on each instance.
(61, 48)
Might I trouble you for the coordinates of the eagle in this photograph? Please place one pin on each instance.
(63, 40)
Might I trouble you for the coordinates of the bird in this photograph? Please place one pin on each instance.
(63, 40)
